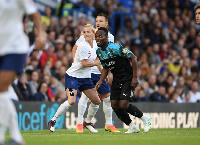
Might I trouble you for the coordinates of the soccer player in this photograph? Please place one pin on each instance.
(104, 90)
(197, 13)
(78, 76)
(13, 48)
(116, 58)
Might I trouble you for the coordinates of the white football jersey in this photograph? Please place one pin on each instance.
(95, 70)
(13, 38)
(84, 51)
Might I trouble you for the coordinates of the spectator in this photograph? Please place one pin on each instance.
(24, 88)
(48, 55)
(41, 95)
(159, 96)
(152, 85)
(61, 96)
(34, 82)
(141, 96)
(51, 95)
(195, 95)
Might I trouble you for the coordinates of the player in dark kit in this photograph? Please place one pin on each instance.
(116, 58)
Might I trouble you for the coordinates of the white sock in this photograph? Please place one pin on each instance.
(107, 109)
(13, 124)
(82, 105)
(92, 110)
(61, 110)
(8, 119)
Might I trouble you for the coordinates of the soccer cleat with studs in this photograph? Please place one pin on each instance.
(111, 128)
(51, 125)
(90, 127)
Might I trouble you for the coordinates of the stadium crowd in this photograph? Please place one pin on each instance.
(166, 43)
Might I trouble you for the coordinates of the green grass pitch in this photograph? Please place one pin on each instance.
(153, 137)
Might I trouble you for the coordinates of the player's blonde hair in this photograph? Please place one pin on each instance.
(90, 26)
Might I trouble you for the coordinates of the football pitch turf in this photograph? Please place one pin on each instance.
(153, 137)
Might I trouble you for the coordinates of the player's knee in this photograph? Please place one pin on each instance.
(123, 107)
(3, 87)
(96, 102)
(71, 102)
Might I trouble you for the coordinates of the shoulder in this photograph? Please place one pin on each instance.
(114, 45)
(80, 39)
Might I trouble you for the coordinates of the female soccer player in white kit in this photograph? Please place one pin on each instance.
(13, 48)
(104, 90)
(78, 76)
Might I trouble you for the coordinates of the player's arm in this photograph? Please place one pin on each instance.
(40, 41)
(104, 74)
(74, 51)
(86, 63)
(133, 60)
(100, 69)
(99, 66)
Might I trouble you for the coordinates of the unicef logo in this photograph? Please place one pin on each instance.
(50, 113)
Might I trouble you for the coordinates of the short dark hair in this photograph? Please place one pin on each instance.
(104, 15)
(197, 7)
(104, 29)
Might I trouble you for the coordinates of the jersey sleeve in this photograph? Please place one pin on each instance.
(29, 6)
(80, 39)
(83, 52)
(124, 52)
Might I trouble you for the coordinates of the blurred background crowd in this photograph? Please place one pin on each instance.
(161, 33)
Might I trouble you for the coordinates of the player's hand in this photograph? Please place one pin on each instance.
(98, 84)
(96, 62)
(134, 82)
(107, 80)
(40, 41)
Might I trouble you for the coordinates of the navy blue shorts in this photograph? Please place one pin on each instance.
(80, 84)
(105, 88)
(13, 62)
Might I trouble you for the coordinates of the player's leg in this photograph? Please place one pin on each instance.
(92, 109)
(71, 91)
(130, 108)
(82, 105)
(88, 88)
(13, 125)
(7, 109)
(104, 92)
(94, 106)
(107, 109)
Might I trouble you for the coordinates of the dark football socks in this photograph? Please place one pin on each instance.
(133, 110)
(123, 116)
